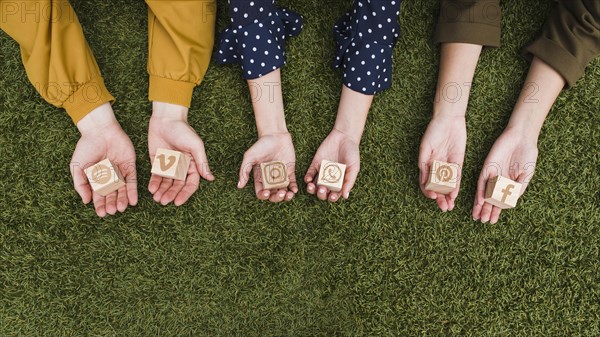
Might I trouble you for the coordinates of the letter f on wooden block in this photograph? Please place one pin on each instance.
(171, 164)
(104, 177)
(274, 175)
(443, 177)
(502, 192)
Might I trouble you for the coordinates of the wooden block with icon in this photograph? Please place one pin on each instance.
(443, 177)
(171, 164)
(502, 192)
(274, 175)
(104, 177)
(331, 175)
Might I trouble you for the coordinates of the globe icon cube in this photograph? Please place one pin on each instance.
(274, 175)
(443, 177)
(104, 177)
(331, 175)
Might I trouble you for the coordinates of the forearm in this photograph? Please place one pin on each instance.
(458, 62)
(542, 87)
(352, 113)
(267, 101)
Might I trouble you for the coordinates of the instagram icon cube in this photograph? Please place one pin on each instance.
(274, 175)
(443, 177)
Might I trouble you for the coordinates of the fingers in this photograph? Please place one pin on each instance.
(312, 172)
(165, 184)
(495, 216)
(349, 180)
(81, 183)
(201, 162)
(190, 187)
(322, 193)
(278, 196)
(486, 212)
(99, 205)
(172, 192)
(248, 164)
(261, 193)
(111, 203)
(122, 200)
(130, 175)
(154, 183)
(442, 202)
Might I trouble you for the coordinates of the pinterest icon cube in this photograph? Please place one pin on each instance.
(443, 177)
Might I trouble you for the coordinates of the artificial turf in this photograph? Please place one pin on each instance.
(386, 262)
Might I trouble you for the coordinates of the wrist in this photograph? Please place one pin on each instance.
(169, 112)
(98, 120)
(524, 133)
(354, 133)
(272, 130)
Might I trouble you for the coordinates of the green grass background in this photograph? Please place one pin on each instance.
(386, 262)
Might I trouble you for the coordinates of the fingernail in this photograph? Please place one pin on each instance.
(266, 193)
(239, 184)
(347, 195)
(322, 190)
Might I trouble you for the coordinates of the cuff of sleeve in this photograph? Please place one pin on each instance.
(170, 91)
(557, 57)
(86, 98)
(259, 47)
(473, 33)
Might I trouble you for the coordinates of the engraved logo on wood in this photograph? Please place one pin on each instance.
(275, 173)
(101, 174)
(444, 173)
(333, 173)
(164, 166)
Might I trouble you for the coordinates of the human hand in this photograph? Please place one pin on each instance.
(514, 155)
(102, 138)
(445, 140)
(270, 147)
(337, 147)
(169, 129)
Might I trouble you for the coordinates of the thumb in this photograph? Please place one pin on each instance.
(248, 162)
(201, 161)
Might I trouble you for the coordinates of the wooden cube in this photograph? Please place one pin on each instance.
(502, 192)
(104, 177)
(171, 164)
(331, 175)
(443, 177)
(274, 175)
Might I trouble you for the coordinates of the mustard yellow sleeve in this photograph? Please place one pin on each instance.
(57, 58)
(180, 42)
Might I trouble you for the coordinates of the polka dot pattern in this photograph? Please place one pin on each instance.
(366, 36)
(256, 37)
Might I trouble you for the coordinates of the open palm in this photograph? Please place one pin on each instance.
(445, 140)
(337, 147)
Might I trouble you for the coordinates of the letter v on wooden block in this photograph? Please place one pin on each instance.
(171, 164)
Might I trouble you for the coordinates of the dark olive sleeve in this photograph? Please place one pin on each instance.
(570, 38)
(473, 21)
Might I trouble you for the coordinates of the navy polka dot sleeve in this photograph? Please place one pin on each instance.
(256, 37)
(366, 36)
